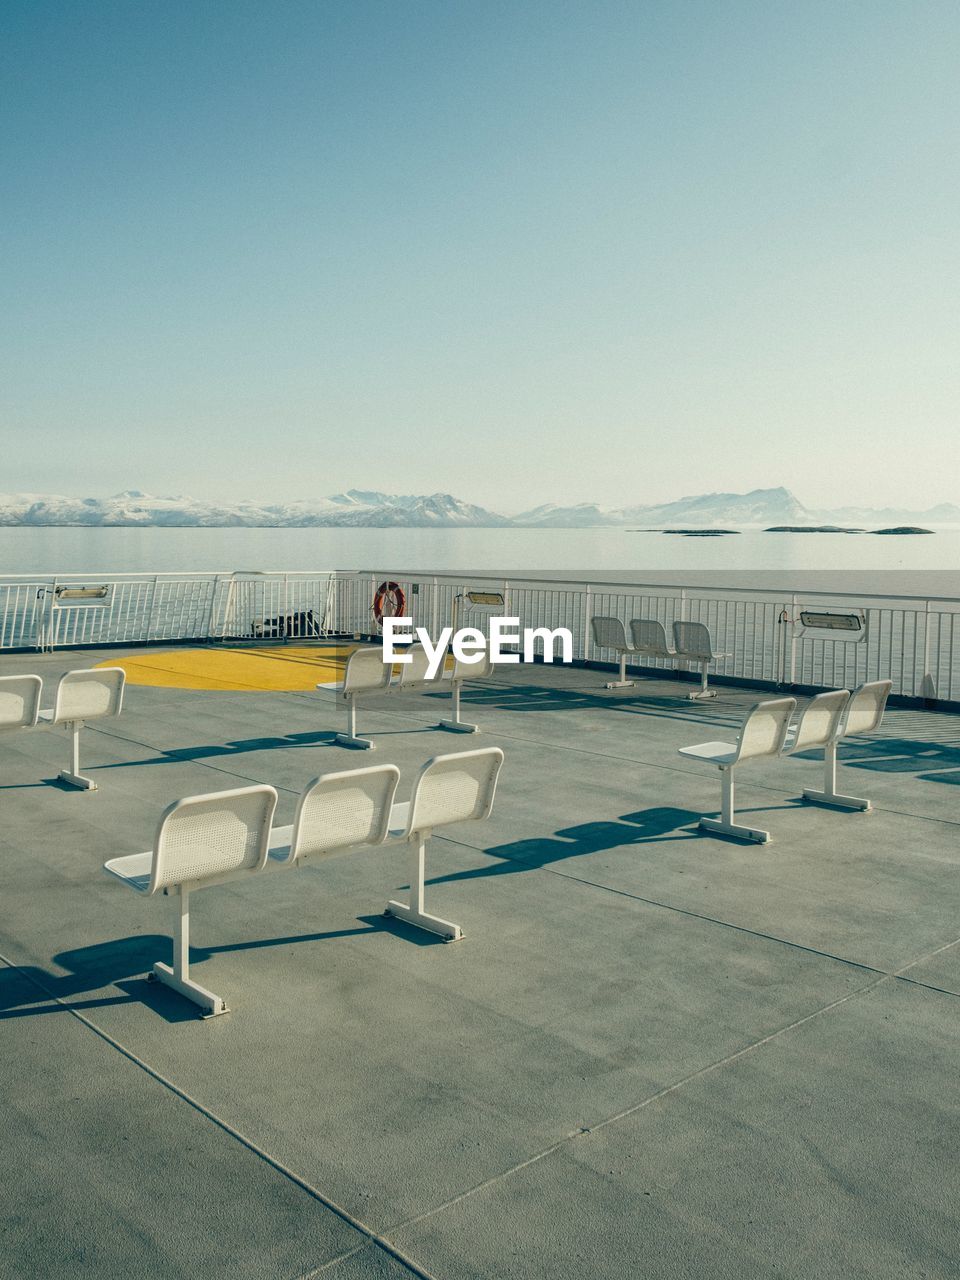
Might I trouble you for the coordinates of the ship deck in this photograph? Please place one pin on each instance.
(654, 1053)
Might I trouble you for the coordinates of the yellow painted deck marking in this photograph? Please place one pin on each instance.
(288, 668)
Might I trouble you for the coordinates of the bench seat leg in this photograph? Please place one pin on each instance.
(455, 724)
(178, 978)
(209, 1004)
(72, 776)
(622, 682)
(725, 824)
(704, 691)
(736, 830)
(77, 780)
(414, 913)
(830, 796)
(836, 801)
(350, 739)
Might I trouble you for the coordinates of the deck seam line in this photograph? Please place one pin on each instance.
(728, 924)
(205, 764)
(677, 1085)
(335, 1262)
(601, 755)
(371, 1236)
(406, 717)
(929, 956)
(666, 1091)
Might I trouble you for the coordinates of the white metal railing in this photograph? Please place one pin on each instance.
(913, 641)
(63, 611)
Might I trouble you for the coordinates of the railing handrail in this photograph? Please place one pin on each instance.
(581, 581)
(164, 573)
(489, 575)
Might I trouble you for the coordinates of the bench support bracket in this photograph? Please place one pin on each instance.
(178, 978)
(455, 724)
(704, 691)
(830, 796)
(414, 913)
(725, 824)
(72, 776)
(350, 739)
(622, 682)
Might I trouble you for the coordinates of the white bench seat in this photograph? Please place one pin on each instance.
(841, 715)
(691, 643)
(767, 731)
(712, 752)
(454, 788)
(762, 734)
(279, 849)
(133, 870)
(366, 673)
(609, 633)
(225, 836)
(81, 696)
(399, 817)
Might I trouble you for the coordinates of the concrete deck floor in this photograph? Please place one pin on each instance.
(655, 1053)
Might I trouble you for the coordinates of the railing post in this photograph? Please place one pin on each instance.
(928, 685)
(214, 589)
(151, 608)
(50, 626)
(587, 610)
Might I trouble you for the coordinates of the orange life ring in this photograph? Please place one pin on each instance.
(390, 600)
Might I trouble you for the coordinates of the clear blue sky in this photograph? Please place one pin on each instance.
(517, 251)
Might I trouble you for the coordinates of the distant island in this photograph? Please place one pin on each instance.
(811, 528)
(833, 528)
(903, 529)
(692, 533)
(702, 515)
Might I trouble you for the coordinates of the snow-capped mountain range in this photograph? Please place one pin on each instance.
(355, 508)
(760, 507)
(370, 508)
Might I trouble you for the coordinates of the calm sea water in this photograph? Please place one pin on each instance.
(866, 562)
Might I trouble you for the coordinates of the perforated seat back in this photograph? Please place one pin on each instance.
(865, 708)
(19, 701)
(415, 671)
(88, 695)
(692, 640)
(765, 728)
(820, 720)
(455, 788)
(608, 633)
(473, 670)
(649, 635)
(202, 837)
(342, 810)
(366, 671)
